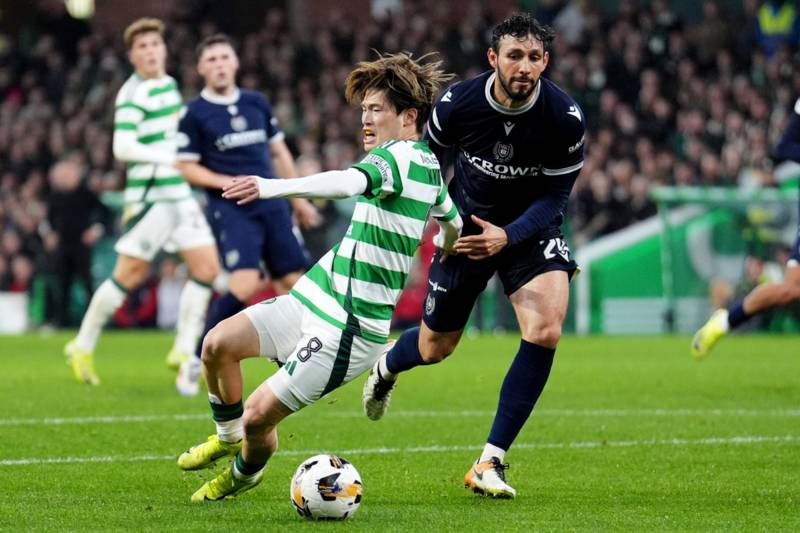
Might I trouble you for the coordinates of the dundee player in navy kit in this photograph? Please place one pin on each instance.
(229, 132)
(517, 144)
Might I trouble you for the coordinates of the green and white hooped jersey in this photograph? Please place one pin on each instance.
(356, 285)
(151, 109)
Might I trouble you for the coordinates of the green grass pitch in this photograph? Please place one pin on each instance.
(630, 434)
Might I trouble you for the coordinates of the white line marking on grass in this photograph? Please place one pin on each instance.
(591, 413)
(708, 441)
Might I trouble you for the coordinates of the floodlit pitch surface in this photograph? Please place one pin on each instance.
(630, 434)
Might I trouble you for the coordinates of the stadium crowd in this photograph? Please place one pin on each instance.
(666, 102)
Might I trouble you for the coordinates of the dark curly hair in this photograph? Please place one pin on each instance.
(520, 25)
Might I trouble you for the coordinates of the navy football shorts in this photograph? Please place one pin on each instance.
(261, 230)
(453, 286)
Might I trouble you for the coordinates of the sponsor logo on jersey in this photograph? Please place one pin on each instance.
(577, 144)
(239, 123)
(503, 152)
(508, 126)
(233, 110)
(447, 96)
(501, 170)
(241, 138)
(575, 113)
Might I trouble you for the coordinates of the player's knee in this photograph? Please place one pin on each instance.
(436, 351)
(215, 346)
(547, 335)
(256, 418)
(205, 273)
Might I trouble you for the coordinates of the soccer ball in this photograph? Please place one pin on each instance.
(326, 487)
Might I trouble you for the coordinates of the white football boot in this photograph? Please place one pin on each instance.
(377, 390)
(489, 478)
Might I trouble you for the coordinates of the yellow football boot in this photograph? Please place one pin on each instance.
(82, 363)
(711, 332)
(207, 453)
(224, 486)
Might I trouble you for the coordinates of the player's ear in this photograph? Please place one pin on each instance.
(491, 55)
(545, 59)
(410, 116)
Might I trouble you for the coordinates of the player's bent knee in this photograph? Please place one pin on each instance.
(436, 352)
(547, 336)
(215, 346)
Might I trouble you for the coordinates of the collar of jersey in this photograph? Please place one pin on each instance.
(221, 100)
(510, 110)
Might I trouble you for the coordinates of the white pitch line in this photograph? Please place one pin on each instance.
(707, 441)
(82, 420)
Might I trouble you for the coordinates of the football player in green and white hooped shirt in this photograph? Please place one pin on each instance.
(334, 324)
(159, 211)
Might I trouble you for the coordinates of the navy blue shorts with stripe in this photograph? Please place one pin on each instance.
(454, 286)
(261, 230)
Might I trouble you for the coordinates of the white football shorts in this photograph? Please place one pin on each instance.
(171, 226)
(317, 357)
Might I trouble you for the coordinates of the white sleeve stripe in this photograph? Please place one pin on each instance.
(188, 156)
(435, 118)
(561, 171)
(277, 137)
(440, 143)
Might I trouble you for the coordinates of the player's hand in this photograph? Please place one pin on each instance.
(243, 189)
(490, 241)
(306, 214)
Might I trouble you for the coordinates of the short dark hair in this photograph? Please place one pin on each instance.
(520, 25)
(408, 83)
(211, 40)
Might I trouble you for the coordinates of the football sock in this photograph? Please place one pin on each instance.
(191, 311)
(489, 451)
(521, 388)
(228, 418)
(737, 315)
(108, 297)
(245, 471)
(405, 354)
(221, 308)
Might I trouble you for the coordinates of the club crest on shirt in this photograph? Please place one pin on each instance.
(503, 152)
(239, 123)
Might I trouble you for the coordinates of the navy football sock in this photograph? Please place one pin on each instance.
(521, 388)
(737, 315)
(221, 308)
(405, 353)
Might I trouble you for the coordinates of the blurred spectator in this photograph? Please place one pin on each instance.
(75, 222)
(778, 26)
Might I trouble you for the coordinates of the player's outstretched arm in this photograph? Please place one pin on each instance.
(126, 147)
(332, 184)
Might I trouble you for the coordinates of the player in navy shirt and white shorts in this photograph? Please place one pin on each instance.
(516, 141)
(228, 132)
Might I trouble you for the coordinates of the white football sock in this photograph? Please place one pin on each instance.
(382, 368)
(230, 431)
(108, 297)
(191, 315)
(490, 450)
(722, 321)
